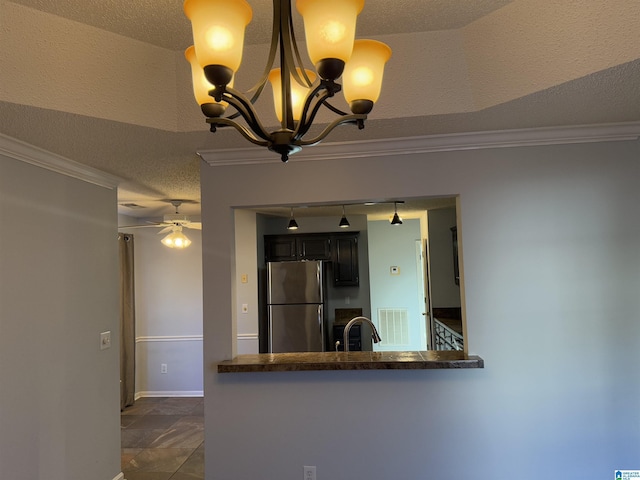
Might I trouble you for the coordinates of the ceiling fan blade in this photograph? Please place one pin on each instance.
(194, 225)
(139, 226)
(165, 230)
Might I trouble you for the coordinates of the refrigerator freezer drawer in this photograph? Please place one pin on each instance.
(296, 328)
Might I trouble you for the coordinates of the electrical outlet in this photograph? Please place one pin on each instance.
(105, 340)
(309, 473)
(163, 368)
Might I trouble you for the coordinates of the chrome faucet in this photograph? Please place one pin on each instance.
(374, 333)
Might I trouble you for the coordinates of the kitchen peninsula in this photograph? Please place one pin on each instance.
(323, 361)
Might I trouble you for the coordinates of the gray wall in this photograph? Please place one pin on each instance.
(59, 393)
(551, 270)
(444, 291)
(168, 286)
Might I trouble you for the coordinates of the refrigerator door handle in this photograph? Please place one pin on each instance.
(320, 324)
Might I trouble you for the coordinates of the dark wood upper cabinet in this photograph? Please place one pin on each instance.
(280, 248)
(345, 261)
(314, 247)
(339, 248)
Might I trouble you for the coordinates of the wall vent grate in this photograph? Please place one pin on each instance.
(393, 326)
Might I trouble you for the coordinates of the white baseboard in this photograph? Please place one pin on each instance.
(170, 338)
(120, 476)
(169, 393)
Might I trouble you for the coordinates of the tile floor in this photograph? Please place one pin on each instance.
(163, 439)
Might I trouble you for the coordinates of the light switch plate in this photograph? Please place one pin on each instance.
(105, 340)
(309, 472)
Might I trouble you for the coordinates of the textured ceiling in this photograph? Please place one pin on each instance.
(502, 65)
(162, 22)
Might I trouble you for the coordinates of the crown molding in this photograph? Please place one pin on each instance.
(614, 132)
(25, 152)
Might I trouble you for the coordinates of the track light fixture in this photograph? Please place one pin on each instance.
(293, 225)
(218, 36)
(344, 223)
(396, 220)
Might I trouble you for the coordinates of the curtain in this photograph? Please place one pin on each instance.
(127, 321)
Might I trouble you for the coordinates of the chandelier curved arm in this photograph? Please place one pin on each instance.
(246, 110)
(275, 34)
(256, 90)
(355, 118)
(244, 131)
(315, 99)
(334, 109)
(293, 54)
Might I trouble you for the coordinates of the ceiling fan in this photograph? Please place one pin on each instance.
(173, 223)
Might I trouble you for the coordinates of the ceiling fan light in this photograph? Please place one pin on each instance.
(330, 27)
(218, 33)
(363, 73)
(176, 239)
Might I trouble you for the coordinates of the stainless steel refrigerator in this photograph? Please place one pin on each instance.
(295, 302)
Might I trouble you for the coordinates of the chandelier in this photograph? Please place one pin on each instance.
(218, 37)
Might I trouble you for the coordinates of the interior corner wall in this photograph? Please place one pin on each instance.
(246, 247)
(168, 289)
(551, 262)
(59, 393)
(444, 292)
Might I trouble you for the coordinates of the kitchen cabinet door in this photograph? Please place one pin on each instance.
(314, 248)
(280, 248)
(345, 261)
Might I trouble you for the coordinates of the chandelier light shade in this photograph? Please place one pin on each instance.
(202, 87)
(363, 74)
(218, 36)
(176, 239)
(298, 92)
(330, 29)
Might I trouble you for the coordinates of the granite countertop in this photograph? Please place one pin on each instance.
(298, 362)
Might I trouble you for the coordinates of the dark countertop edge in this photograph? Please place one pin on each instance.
(274, 363)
